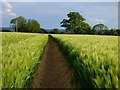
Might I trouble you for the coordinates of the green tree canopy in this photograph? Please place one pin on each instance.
(24, 25)
(21, 23)
(99, 27)
(75, 23)
(33, 26)
(55, 30)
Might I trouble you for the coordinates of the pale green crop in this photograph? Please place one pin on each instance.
(21, 53)
(93, 58)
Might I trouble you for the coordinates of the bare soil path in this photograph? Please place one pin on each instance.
(53, 71)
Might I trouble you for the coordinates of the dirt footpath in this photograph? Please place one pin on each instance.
(53, 71)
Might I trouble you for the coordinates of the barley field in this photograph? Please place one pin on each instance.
(93, 58)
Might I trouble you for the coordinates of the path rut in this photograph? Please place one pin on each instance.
(53, 71)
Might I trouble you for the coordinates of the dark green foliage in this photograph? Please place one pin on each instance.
(5, 31)
(43, 30)
(102, 29)
(99, 27)
(55, 31)
(33, 26)
(20, 24)
(114, 32)
(75, 24)
(118, 31)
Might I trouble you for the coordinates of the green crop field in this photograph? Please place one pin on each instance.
(0, 60)
(20, 57)
(94, 59)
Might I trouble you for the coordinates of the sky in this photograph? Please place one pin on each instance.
(50, 14)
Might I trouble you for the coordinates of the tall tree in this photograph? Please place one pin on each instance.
(75, 23)
(24, 25)
(84, 28)
(55, 31)
(13, 23)
(20, 22)
(33, 26)
(98, 27)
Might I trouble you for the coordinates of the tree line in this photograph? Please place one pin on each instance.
(21, 24)
(75, 24)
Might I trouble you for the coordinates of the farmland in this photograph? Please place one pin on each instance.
(59, 44)
(94, 59)
(21, 53)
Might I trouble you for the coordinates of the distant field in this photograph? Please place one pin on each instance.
(21, 52)
(94, 59)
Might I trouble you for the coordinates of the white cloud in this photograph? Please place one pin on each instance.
(7, 8)
(97, 20)
(6, 4)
